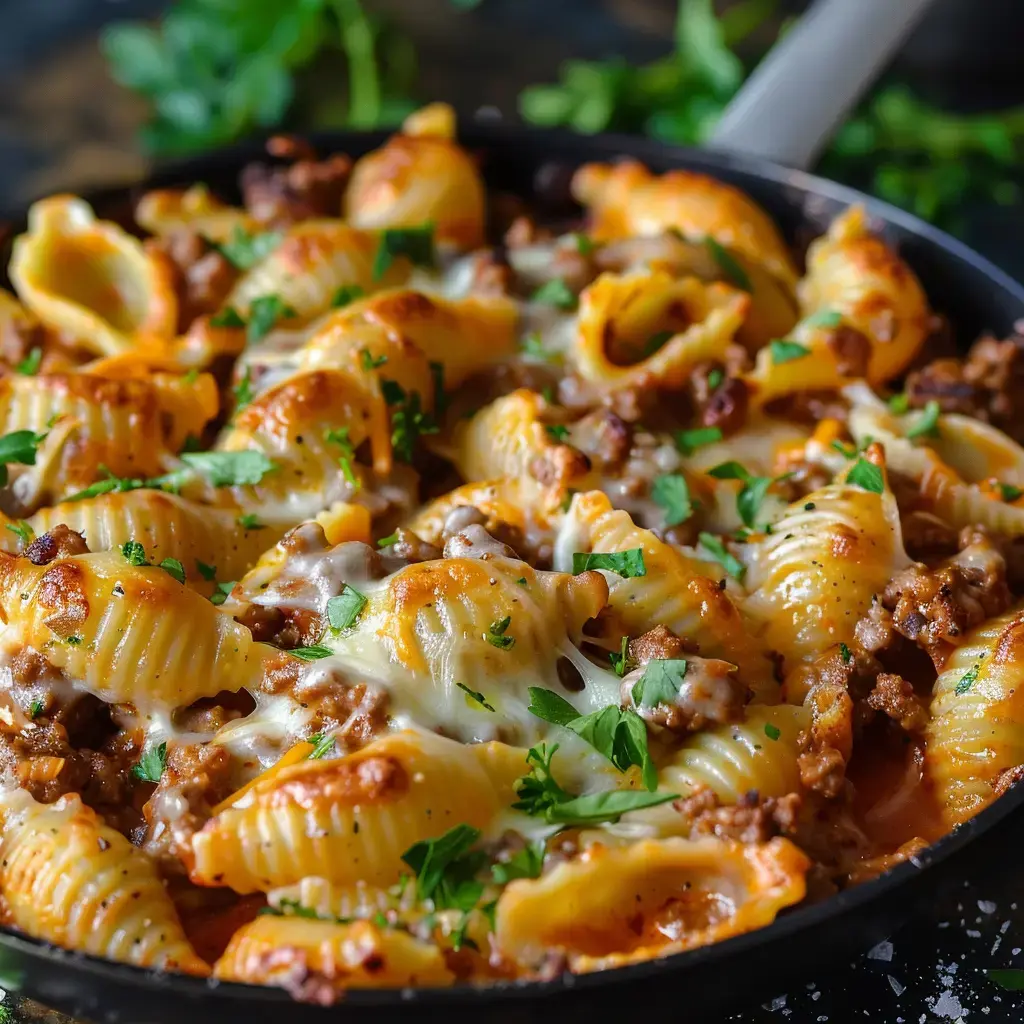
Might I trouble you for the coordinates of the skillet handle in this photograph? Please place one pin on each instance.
(801, 92)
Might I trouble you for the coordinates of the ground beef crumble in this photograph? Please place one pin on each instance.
(754, 819)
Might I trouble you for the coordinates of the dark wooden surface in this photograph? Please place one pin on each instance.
(64, 125)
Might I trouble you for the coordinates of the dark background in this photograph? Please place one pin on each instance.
(65, 125)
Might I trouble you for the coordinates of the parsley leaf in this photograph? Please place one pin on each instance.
(151, 765)
(19, 446)
(227, 317)
(525, 863)
(608, 806)
(444, 865)
(29, 366)
(671, 493)
(408, 423)
(347, 294)
(323, 744)
(208, 572)
(729, 265)
(867, 475)
(773, 732)
(220, 595)
(928, 424)
(369, 361)
(715, 378)
(688, 441)
(314, 652)
(415, 244)
(537, 790)
(784, 351)
(532, 345)
(732, 565)
(556, 293)
(35, 709)
(339, 436)
(134, 553)
(585, 245)
(621, 736)
(229, 469)
(621, 662)
(845, 654)
(968, 679)
(751, 494)
(174, 568)
(899, 403)
(558, 432)
(244, 251)
(344, 609)
(243, 391)
(660, 683)
(1007, 491)
(23, 531)
(496, 634)
(264, 313)
(626, 564)
(249, 521)
(824, 318)
(476, 696)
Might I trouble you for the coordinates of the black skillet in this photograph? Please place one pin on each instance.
(536, 165)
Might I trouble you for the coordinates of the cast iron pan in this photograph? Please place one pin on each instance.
(536, 165)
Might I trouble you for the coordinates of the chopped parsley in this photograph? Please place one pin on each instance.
(660, 683)
(621, 661)
(346, 294)
(345, 608)
(715, 378)
(35, 709)
(627, 564)
(496, 634)
(415, 244)
(584, 243)
(688, 441)
(75, 641)
(620, 736)
(264, 313)
(732, 565)
(556, 293)
(824, 318)
(558, 432)
(19, 446)
(784, 351)
(220, 595)
(134, 553)
(243, 391)
(671, 493)
(772, 731)
(29, 366)
(533, 346)
(968, 679)
(928, 424)
(208, 572)
(845, 654)
(227, 317)
(314, 652)
(867, 475)
(899, 403)
(1007, 491)
(151, 765)
(244, 251)
(475, 696)
(229, 469)
(249, 521)
(408, 423)
(173, 568)
(369, 361)
(323, 744)
(524, 863)
(729, 265)
(386, 542)
(23, 531)
(751, 494)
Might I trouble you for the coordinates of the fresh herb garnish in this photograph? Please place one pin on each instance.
(732, 565)
(751, 494)
(19, 446)
(556, 293)
(223, 590)
(621, 661)
(208, 572)
(715, 378)
(229, 469)
(688, 441)
(475, 696)
(249, 521)
(558, 432)
(525, 863)
(323, 744)
(415, 244)
(134, 553)
(1007, 491)
(173, 568)
(660, 683)
(845, 654)
(151, 765)
(532, 345)
(264, 313)
(496, 637)
(346, 294)
(968, 679)
(243, 391)
(824, 318)
(671, 493)
(35, 709)
(227, 317)
(585, 245)
(773, 732)
(23, 531)
(244, 251)
(408, 423)
(867, 475)
(345, 608)
(729, 265)
(783, 351)
(369, 361)
(627, 564)
(899, 403)
(928, 424)
(29, 366)
(620, 735)
(314, 652)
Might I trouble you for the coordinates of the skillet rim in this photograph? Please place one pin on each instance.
(594, 147)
